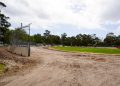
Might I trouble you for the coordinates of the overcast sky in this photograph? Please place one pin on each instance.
(70, 16)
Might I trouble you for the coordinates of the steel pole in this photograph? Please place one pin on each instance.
(29, 42)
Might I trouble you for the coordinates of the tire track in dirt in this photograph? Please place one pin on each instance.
(56, 68)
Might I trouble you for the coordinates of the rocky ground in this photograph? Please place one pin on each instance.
(55, 68)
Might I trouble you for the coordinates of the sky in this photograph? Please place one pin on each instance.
(70, 16)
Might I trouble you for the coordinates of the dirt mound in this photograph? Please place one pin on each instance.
(13, 62)
(99, 59)
(5, 55)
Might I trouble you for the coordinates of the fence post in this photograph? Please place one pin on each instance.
(29, 42)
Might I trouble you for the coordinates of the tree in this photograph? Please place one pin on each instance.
(72, 41)
(79, 40)
(47, 33)
(110, 39)
(37, 38)
(21, 35)
(2, 4)
(95, 40)
(3, 21)
(17, 36)
(8, 36)
(4, 24)
(117, 41)
(63, 38)
(86, 40)
(46, 37)
(54, 39)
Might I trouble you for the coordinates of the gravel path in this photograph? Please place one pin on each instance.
(55, 68)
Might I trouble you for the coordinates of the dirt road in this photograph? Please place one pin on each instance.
(57, 68)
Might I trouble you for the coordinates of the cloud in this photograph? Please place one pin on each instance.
(117, 31)
(111, 11)
(83, 14)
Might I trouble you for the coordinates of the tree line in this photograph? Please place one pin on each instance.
(49, 39)
(79, 40)
(19, 35)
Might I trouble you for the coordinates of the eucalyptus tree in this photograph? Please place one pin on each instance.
(4, 24)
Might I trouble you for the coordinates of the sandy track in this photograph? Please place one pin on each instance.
(56, 68)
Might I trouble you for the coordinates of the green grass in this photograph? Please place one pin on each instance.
(88, 49)
(2, 67)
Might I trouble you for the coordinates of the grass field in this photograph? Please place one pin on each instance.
(2, 67)
(88, 49)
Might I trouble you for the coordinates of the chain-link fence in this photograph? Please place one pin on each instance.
(19, 37)
(20, 40)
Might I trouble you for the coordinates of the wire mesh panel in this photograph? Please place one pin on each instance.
(20, 37)
(20, 40)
